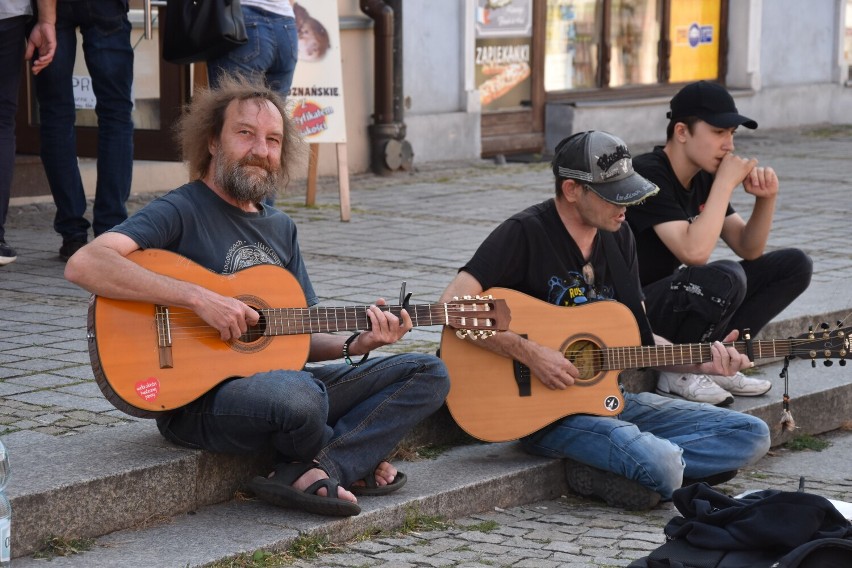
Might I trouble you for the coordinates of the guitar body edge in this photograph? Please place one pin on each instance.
(484, 398)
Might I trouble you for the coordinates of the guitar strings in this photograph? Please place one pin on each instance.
(182, 322)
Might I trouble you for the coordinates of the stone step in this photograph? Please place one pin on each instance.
(126, 477)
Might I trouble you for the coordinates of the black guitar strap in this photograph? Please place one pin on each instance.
(624, 288)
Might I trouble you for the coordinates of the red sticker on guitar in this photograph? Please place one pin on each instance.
(149, 389)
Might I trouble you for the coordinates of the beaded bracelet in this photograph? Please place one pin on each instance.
(346, 345)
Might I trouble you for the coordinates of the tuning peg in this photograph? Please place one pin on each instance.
(813, 363)
(843, 362)
(823, 325)
(828, 362)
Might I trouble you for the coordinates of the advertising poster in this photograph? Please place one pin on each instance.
(316, 95)
(503, 52)
(695, 40)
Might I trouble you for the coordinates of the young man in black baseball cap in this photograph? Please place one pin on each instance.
(689, 299)
(558, 251)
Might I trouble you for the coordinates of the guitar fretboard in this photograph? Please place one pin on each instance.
(662, 355)
(292, 321)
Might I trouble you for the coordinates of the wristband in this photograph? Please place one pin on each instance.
(346, 345)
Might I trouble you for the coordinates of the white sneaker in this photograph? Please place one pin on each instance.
(741, 385)
(697, 388)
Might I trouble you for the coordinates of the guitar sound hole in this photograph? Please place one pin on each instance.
(255, 332)
(585, 355)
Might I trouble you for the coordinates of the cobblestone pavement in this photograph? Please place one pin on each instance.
(418, 227)
(572, 532)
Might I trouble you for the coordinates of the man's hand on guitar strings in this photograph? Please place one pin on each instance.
(726, 359)
(385, 327)
(229, 316)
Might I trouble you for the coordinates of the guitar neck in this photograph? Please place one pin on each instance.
(663, 355)
(293, 321)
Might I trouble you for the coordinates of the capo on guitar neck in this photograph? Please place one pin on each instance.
(403, 298)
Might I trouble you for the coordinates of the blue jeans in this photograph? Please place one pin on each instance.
(705, 303)
(657, 441)
(347, 418)
(109, 58)
(270, 53)
(12, 37)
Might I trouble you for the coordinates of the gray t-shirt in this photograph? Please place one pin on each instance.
(195, 222)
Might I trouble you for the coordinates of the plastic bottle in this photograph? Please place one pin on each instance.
(5, 511)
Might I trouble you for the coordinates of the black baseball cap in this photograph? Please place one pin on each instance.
(602, 162)
(710, 102)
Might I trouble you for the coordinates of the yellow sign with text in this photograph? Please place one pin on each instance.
(694, 34)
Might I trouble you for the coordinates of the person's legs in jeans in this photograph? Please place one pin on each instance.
(774, 280)
(253, 58)
(57, 116)
(657, 441)
(285, 410)
(373, 406)
(347, 418)
(12, 37)
(696, 303)
(109, 58)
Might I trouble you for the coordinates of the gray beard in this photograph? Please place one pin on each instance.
(242, 184)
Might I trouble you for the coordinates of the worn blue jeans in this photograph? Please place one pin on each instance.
(347, 418)
(270, 54)
(657, 441)
(109, 58)
(705, 303)
(12, 38)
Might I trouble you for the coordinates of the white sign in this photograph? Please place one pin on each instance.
(84, 96)
(316, 95)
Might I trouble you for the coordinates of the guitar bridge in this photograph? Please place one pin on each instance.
(164, 337)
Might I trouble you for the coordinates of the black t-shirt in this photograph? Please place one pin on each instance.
(673, 203)
(533, 253)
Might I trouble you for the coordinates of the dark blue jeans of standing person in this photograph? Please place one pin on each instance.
(270, 53)
(109, 58)
(12, 43)
(348, 419)
(704, 303)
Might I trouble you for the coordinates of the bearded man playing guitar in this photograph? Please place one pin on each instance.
(556, 252)
(332, 426)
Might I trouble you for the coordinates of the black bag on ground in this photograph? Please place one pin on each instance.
(198, 30)
(766, 529)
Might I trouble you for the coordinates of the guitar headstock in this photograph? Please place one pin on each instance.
(825, 344)
(477, 317)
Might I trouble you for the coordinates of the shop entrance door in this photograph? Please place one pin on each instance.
(508, 66)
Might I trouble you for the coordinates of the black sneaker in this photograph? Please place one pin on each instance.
(69, 247)
(715, 479)
(7, 253)
(616, 490)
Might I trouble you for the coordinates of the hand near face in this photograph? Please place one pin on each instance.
(761, 182)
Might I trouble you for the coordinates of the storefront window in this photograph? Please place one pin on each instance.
(572, 44)
(594, 44)
(635, 33)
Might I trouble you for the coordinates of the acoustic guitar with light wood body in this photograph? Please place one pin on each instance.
(496, 399)
(148, 359)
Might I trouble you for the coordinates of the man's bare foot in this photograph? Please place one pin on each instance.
(315, 474)
(385, 474)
